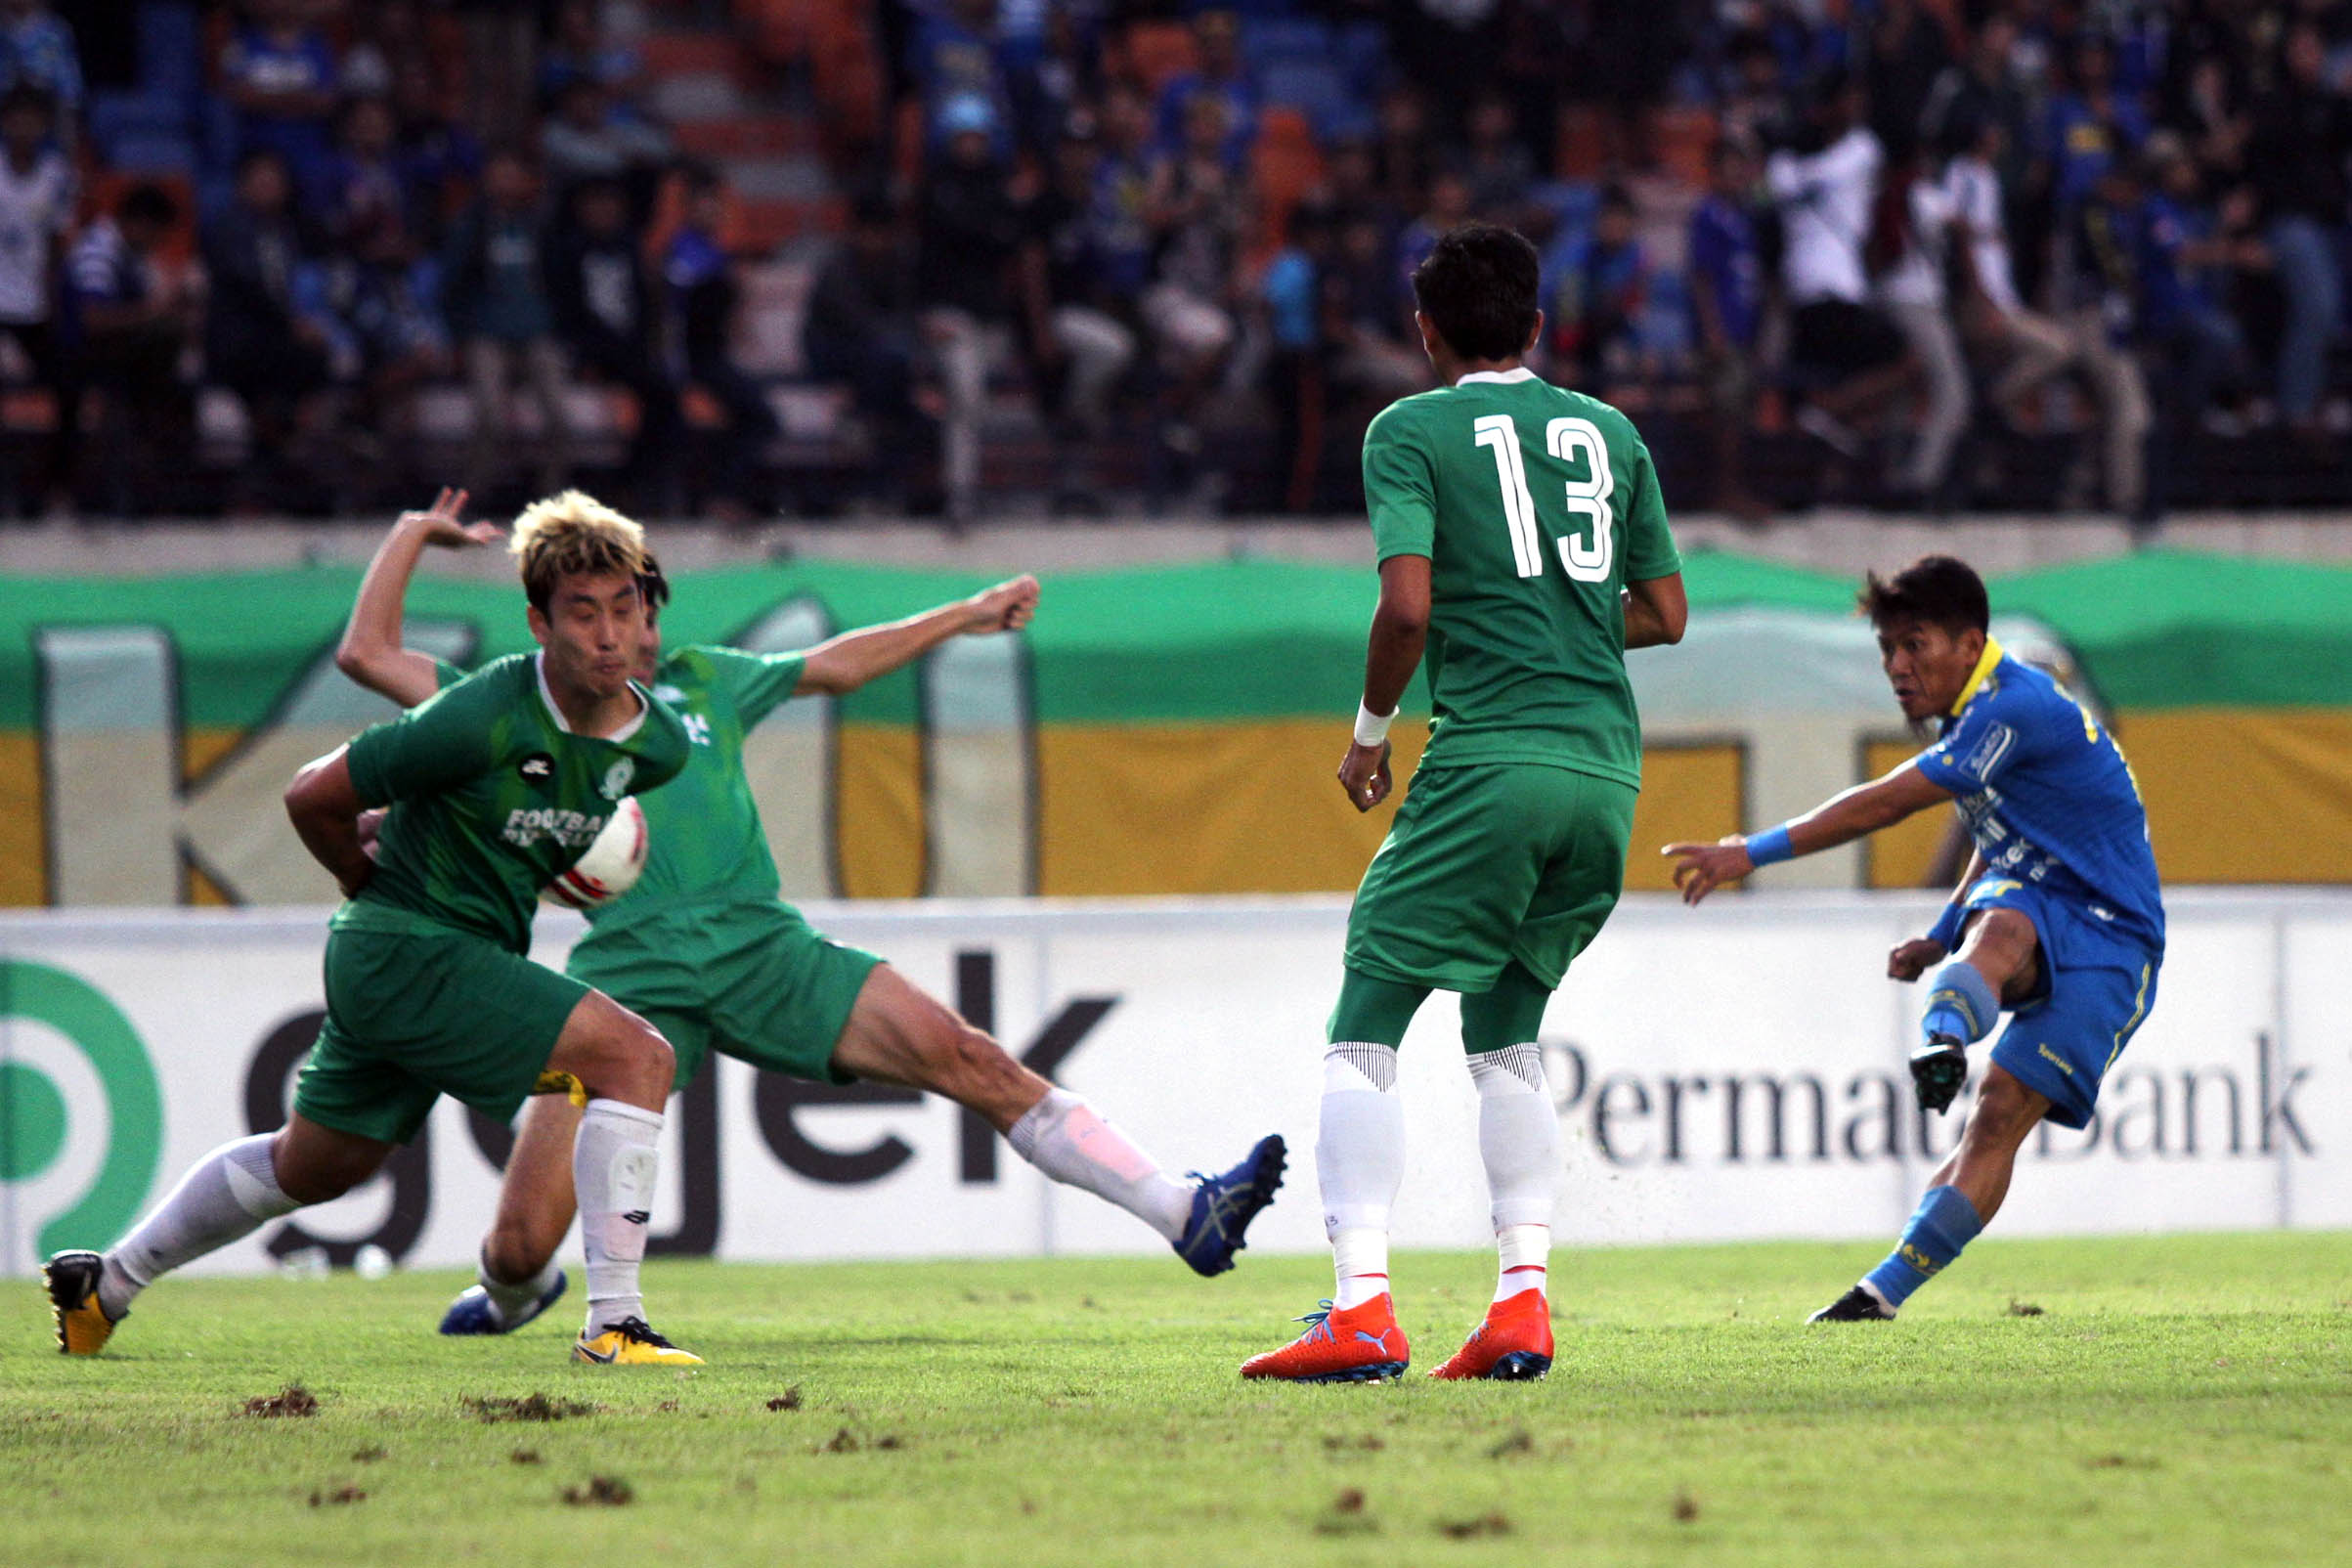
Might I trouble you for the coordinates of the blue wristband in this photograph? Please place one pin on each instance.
(1946, 932)
(1770, 847)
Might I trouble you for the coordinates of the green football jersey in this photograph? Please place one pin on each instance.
(1536, 505)
(705, 844)
(492, 795)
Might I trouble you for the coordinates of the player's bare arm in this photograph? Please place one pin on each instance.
(842, 664)
(1914, 957)
(1399, 628)
(371, 652)
(325, 812)
(1655, 611)
(1854, 813)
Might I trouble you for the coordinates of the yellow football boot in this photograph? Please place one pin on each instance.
(630, 1342)
(83, 1325)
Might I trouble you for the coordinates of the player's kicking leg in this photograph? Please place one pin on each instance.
(1997, 965)
(518, 1276)
(224, 1197)
(897, 1034)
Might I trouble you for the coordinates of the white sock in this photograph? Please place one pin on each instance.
(1360, 1161)
(614, 1161)
(508, 1300)
(1519, 1140)
(1063, 1136)
(225, 1197)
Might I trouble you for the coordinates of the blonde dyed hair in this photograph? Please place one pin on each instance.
(572, 534)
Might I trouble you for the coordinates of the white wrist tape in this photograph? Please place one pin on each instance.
(1372, 729)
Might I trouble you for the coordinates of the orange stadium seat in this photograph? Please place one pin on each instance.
(1155, 51)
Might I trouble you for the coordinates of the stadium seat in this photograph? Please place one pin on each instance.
(1157, 51)
(153, 152)
(1287, 40)
(114, 114)
(1318, 89)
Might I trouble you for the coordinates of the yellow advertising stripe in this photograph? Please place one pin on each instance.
(1253, 807)
(2245, 794)
(24, 824)
(878, 804)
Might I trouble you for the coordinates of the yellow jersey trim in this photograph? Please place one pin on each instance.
(1976, 677)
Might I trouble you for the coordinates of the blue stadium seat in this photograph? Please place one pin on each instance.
(153, 152)
(171, 44)
(1361, 48)
(1287, 41)
(115, 113)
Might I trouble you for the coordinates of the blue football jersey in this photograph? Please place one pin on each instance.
(2047, 794)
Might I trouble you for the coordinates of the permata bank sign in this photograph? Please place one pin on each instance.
(1734, 1071)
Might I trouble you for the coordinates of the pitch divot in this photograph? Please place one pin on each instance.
(367, 1455)
(1347, 1516)
(523, 1455)
(1486, 1524)
(529, 1408)
(342, 1494)
(1685, 1508)
(2023, 1309)
(789, 1399)
(602, 1491)
(293, 1400)
(1518, 1441)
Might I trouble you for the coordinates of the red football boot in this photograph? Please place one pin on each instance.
(1513, 1344)
(1358, 1344)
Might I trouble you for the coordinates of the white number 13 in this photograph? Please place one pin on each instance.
(1586, 558)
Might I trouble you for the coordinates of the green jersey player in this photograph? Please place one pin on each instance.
(705, 948)
(492, 787)
(1523, 548)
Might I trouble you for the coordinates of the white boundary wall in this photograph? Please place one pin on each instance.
(1732, 1072)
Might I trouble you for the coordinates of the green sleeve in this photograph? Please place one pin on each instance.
(1649, 543)
(1399, 488)
(446, 675)
(442, 743)
(660, 748)
(758, 681)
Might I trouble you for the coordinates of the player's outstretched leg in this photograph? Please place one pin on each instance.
(1519, 1143)
(1962, 1200)
(224, 1197)
(624, 1066)
(1360, 1161)
(897, 1034)
(518, 1276)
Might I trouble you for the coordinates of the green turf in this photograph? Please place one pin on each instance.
(2180, 1400)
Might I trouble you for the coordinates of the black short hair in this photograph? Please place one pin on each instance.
(1936, 589)
(147, 202)
(653, 588)
(1478, 289)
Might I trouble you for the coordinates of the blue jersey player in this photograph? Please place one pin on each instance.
(2059, 918)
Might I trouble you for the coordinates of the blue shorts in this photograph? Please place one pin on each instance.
(2097, 984)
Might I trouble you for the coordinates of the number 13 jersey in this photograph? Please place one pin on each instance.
(1535, 506)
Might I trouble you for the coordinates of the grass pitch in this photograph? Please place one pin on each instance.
(2182, 1399)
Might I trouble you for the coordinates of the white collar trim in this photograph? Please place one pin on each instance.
(1499, 377)
(539, 667)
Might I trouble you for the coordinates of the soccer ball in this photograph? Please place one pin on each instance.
(611, 866)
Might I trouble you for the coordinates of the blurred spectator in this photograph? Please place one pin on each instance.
(495, 295)
(1919, 216)
(861, 330)
(1372, 356)
(582, 50)
(37, 49)
(256, 342)
(969, 230)
(606, 313)
(1080, 336)
(1756, 107)
(1404, 158)
(1904, 50)
(1119, 217)
(1219, 73)
(386, 37)
(2104, 247)
(371, 204)
(1447, 206)
(1290, 301)
(439, 159)
(136, 324)
(1728, 299)
(1850, 356)
(2198, 346)
(704, 295)
(2030, 349)
(1601, 294)
(36, 209)
(956, 55)
(585, 139)
(1199, 207)
(2093, 126)
(2303, 133)
(1495, 163)
(1060, 79)
(278, 74)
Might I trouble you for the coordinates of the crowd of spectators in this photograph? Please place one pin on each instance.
(1922, 232)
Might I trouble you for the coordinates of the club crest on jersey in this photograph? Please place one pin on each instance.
(616, 777)
(538, 768)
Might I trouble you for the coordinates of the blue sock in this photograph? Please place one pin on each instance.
(1960, 1004)
(1944, 1222)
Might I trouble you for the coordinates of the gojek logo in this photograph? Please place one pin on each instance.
(81, 1113)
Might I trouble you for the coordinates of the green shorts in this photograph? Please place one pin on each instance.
(1489, 863)
(754, 981)
(414, 1015)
